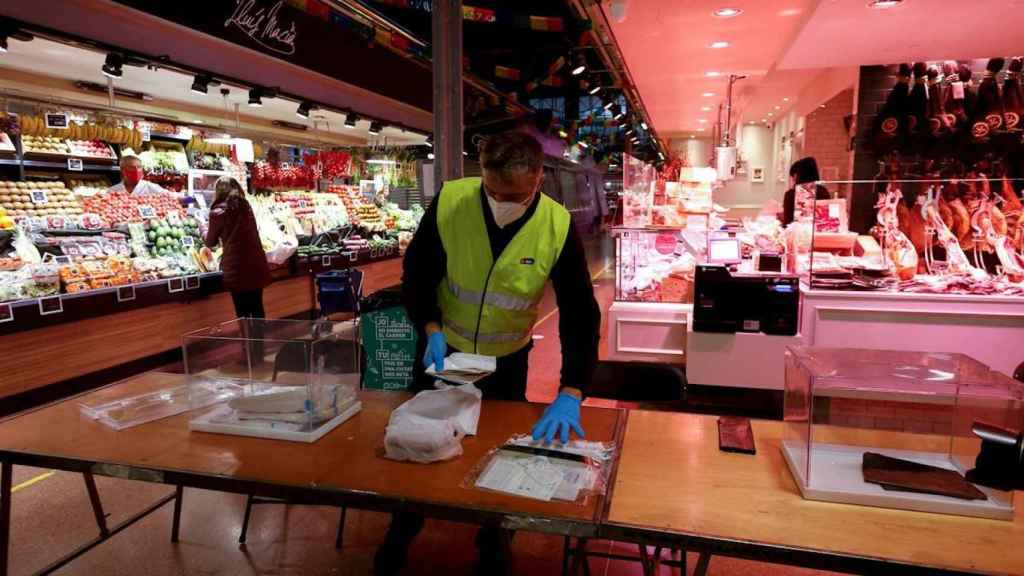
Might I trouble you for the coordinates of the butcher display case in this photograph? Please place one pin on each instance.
(931, 432)
(941, 271)
(295, 379)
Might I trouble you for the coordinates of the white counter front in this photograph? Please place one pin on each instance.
(987, 328)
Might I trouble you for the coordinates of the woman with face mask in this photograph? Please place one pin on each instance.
(132, 179)
(244, 263)
(472, 281)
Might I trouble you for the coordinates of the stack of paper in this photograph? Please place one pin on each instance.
(460, 368)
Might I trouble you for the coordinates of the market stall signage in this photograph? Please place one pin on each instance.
(39, 197)
(192, 282)
(665, 243)
(6, 313)
(265, 25)
(125, 293)
(175, 285)
(146, 211)
(50, 305)
(188, 241)
(75, 164)
(57, 121)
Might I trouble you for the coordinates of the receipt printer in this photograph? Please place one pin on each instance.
(727, 301)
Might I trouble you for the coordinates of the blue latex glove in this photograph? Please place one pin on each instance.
(559, 417)
(437, 347)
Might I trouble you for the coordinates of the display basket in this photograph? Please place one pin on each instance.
(849, 412)
(296, 380)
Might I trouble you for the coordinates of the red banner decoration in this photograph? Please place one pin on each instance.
(507, 73)
(475, 14)
(546, 23)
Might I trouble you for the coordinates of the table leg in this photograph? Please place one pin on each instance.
(94, 499)
(6, 478)
(339, 541)
(566, 551)
(179, 491)
(245, 520)
(702, 564)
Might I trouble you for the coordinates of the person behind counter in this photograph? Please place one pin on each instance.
(132, 178)
(244, 263)
(803, 171)
(472, 281)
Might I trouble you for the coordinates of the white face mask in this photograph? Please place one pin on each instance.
(506, 213)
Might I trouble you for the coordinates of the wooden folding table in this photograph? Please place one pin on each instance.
(344, 468)
(675, 488)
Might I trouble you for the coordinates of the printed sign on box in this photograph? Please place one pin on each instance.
(390, 340)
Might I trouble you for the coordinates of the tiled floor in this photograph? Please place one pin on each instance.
(51, 517)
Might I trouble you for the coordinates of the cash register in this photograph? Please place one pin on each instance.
(729, 301)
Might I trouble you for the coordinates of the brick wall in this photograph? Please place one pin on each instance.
(828, 141)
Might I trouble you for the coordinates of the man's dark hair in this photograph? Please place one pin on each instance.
(512, 154)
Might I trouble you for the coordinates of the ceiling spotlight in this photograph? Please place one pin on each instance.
(643, 125)
(764, 119)
(629, 131)
(113, 66)
(375, 128)
(620, 115)
(712, 73)
(609, 104)
(700, 129)
(255, 97)
(464, 153)
(785, 99)
(581, 65)
(583, 144)
(350, 120)
(430, 140)
(778, 107)
(702, 120)
(304, 109)
(708, 94)
(430, 156)
(595, 89)
(720, 44)
(660, 155)
(705, 108)
(882, 4)
(727, 12)
(562, 133)
(770, 114)
(202, 82)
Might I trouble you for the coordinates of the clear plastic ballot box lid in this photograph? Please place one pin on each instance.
(841, 403)
(294, 379)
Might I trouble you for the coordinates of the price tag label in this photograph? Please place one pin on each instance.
(188, 241)
(50, 305)
(173, 219)
(303, 204)
(325, 261)
(146, 134)
(39, 197)
(192, 282)
(374, 253)
(353, 256)
(833, 211)
(6, 313)
(175, 285)
(146, 211)
(57, 121)
(62, 260)
(125, 293)
(75, 164)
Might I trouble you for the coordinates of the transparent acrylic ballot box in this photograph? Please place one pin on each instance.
(293, 379)
(847, 410)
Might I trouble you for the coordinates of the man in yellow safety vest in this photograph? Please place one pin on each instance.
(473, 279)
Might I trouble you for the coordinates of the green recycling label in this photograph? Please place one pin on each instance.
(390, 341)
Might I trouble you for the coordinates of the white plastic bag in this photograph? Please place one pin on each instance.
(430, 426)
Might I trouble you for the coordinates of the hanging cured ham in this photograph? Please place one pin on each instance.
(936, 103)
(917, 100)
(1013, 96)
(988, 117)
(892, 120)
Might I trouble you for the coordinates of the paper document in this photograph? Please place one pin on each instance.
(536, 476)
(461, 368)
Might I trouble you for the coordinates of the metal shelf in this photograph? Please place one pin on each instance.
(64, 165)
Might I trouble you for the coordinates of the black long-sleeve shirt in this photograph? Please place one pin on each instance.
(579, 323)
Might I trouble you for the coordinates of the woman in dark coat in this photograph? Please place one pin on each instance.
(803, 171)
(244, 263)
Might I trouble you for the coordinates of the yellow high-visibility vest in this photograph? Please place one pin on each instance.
(487, 306)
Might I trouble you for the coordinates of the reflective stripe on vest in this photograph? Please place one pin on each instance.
(487, 306)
